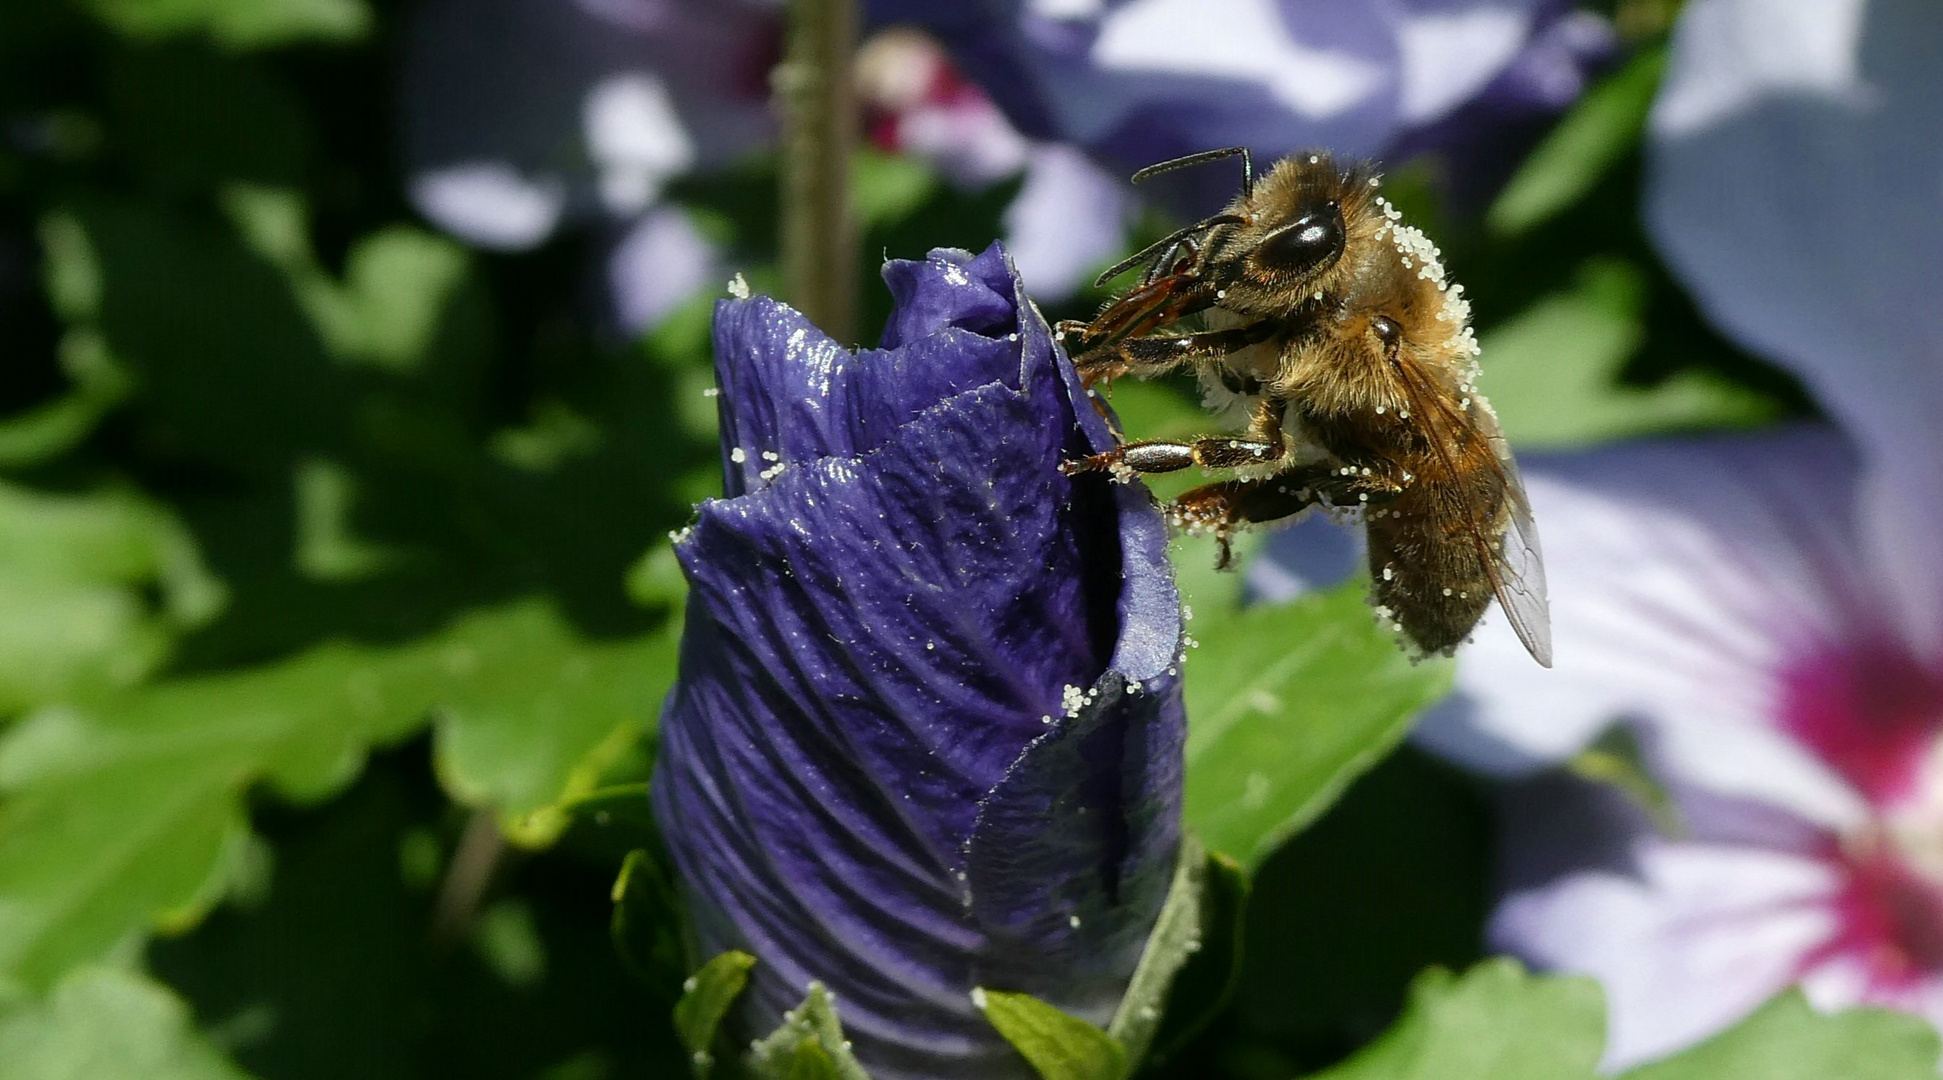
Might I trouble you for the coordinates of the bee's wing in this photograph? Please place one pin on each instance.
(1513, 564)
(1518, 568)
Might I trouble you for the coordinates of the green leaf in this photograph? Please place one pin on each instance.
(1786, 1039)
(1174, 941)
(1553, 370)
(809, 1045)
(1059, 1046)
(1207, 982)
(238, 24)
(1289, 703)
(105, 1024)
(888, 187)
(706, 999)
(534, 714)
(397, 281)
(74, 571)
(1494, 1023)
(1596, 135)
(129, 809)
(646, 925)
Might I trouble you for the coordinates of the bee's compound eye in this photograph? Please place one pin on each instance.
(1386, 330)
(1312, 240)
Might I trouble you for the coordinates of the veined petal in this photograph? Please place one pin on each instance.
(925, 736)
(1685, 575)
(1685, 936)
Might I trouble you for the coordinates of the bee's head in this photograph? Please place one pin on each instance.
(1297, 224)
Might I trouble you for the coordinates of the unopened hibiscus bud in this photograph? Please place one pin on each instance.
(927, 734)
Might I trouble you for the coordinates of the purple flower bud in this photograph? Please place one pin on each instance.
(927, 734)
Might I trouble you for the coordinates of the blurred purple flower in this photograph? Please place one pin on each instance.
(1763, 614)
(1070, 216)
(1138, 81)
(927, 734)
(520, 116)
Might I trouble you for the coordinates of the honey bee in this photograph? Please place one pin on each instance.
(1332, 334)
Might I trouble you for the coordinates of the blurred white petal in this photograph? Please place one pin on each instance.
(595, 103)
(1068, 220)
(1686, 938)
(489, 204)
(1449, 56)
(659, 264)
(635, 139)
(1684, 574)
(1243, 39)
(1730, 55)
(1796, 186)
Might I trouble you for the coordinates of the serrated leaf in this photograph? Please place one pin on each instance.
(1496, 1022)
(1060, 1046)
(105, 1024)
(706, 999)
(1598, 133)
(1786, 1039)
(783, 1053)
(1288, 704)
(120, 811)
(239, 24)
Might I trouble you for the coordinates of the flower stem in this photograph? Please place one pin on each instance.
(819, 241)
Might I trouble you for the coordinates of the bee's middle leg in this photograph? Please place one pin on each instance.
(1163, 456)
(1262, 445)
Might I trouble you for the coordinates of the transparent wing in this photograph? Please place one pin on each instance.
(1512, 562)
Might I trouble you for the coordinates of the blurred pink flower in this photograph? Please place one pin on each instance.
(1763, 614)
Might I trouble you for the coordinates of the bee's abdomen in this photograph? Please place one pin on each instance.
(1425, 577)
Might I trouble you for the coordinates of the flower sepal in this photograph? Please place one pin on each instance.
(1194, 946)
(807, 1045)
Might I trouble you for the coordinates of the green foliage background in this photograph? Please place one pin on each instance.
(336, 606)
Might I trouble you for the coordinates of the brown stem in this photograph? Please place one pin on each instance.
(466, 878)
(819, 241)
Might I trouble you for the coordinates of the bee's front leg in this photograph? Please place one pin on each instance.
(1145, 357)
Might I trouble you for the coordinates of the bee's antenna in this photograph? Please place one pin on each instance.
(1165, 242)
(1247, 165)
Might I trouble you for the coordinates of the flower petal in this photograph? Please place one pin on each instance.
(924, 737)
(1686, 937)
(1795, 152)
(595, 104)
(1068, 220)
(1684, 575)
(660, 263)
